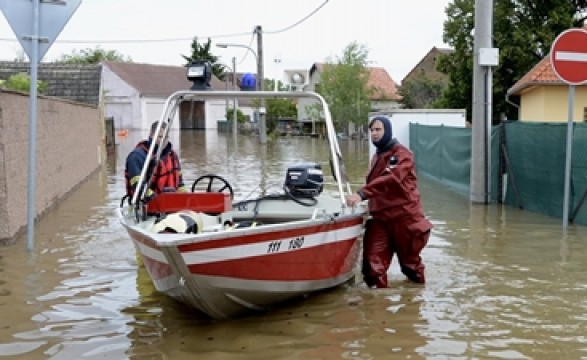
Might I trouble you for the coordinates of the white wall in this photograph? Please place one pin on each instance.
(401, 119)
(121, 101)
(152, 108)
(216, 111)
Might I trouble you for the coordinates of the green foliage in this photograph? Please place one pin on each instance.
(203, 52)
(277, 109)
(343, 84)
(22, 82)
(522, 30)
(240, 116)
(92, 56)
(421, 92)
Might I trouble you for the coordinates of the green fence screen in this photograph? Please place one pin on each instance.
(527, 164)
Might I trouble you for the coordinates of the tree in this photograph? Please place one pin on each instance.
(22, 82)
(343, 84)
(202, 52)
(92, 56)
(522, 30)
(278, 108)
(421, 92)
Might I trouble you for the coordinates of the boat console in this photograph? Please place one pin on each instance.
(211, 203)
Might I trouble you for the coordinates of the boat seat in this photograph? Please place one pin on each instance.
(212, 203)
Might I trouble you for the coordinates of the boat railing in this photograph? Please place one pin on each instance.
(172, 104)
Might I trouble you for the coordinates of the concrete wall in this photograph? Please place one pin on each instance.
(69, 146)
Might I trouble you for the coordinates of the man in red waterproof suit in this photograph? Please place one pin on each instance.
(397, 224)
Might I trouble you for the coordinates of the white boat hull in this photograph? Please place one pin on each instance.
(227, 273)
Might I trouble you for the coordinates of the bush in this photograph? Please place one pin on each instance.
(22, 82)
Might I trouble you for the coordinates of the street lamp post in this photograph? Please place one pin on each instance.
(258, 60)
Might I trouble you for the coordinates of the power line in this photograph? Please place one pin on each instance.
(247, 52)
(142, 41)
(127, 41)
(284, 29)
(297, 22)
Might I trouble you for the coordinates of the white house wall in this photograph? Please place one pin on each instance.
(215, 112)
(121, 101)
(152, 108)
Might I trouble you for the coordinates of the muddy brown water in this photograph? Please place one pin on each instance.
(502, 283)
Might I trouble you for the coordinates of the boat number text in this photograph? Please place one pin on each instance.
(293, 244)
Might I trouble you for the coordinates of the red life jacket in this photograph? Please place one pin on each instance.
(166, 175)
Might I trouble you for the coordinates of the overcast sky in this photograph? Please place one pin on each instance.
(397, 33)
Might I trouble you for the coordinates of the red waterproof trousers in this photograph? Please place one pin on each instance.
(405, 237)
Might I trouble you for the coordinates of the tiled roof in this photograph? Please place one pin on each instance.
(431, 53)
(541, 74)
(75, 82)
(384, 86)
(156, 80)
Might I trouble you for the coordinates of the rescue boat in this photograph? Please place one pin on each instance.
(227, 257)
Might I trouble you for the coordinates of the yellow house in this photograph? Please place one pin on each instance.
(544, 97)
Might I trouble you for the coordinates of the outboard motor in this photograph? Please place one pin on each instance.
(304, 180)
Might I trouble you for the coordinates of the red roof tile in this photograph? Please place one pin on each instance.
(379, 80)
(384, 86)
(541, 74)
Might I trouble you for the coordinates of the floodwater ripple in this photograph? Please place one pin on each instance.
(502, 283)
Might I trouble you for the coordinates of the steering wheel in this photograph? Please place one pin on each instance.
(212, 183)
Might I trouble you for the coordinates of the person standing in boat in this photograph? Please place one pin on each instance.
(397, 224)
(167, 169)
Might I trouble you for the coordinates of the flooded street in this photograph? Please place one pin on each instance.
(501, 283)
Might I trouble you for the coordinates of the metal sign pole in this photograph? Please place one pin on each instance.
(568, 157)
(568, 58)
(31, 203)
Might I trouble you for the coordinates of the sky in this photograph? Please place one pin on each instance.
(296, 33)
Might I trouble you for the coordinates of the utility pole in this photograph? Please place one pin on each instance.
(235, 100)
(481, 132)
(260, 85)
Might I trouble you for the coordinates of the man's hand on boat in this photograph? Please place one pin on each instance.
(353, 199)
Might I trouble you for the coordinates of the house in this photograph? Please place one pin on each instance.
(135, 95)
(544, 97)
(385, 94)
(427, 66)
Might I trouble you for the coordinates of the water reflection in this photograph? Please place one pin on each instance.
(502, 283)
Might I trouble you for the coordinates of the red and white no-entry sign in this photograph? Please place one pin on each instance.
(568, 56)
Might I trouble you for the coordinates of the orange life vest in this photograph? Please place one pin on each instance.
(167, 173)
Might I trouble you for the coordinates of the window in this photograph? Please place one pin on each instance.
(585, 114)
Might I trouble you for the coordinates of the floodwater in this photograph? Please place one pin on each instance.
(502, 283)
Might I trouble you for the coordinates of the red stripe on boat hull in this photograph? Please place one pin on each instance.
(316, 263)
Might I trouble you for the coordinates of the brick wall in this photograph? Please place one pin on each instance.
(69, 148)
